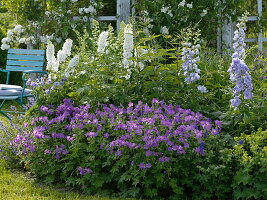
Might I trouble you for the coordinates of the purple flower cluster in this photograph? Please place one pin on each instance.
(239, 71)
(160, 132)
(24, 143)
(60, 150)
(144, 166)
(43, 81)
(84, 171)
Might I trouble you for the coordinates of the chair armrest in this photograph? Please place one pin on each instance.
(34, 71)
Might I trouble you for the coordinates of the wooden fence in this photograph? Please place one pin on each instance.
(226, 32)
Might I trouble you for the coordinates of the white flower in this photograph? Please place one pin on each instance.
(128, 76)
(102, 42)
(50, 55)
(5, 46)
(76, 18)
(189, 5)
(69, 11)
(47, 13)
(146, 31)
(85, 19)
(91, 10)
(22, 40)
(170, 13)
(150, 26)
(182, 3)
(204, 12)
(128, 45)
(73, 26)
(5, 40)
(164, 9)
(50, 37)
(28, 40)
(10, 33)
(74, 61)
(67, 47)
(164, 30)
(72, 64)
(144, 12)
(55, 66)
(81, 10)
(58, 40)
(141, 65)
(18, 28)
(202, 89)
(86, 10)
(43, 39)
(61, 56)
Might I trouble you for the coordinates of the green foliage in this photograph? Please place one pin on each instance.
(250, 180)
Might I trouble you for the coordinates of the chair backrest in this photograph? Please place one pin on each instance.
(25, 59)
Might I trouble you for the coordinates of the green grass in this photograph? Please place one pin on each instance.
(15, 185)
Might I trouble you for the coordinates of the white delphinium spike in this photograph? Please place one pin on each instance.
(61, 56)
(128, 44)
(55, 66)
(50, 55)
(67, 47)
(72, 64)
(102, 42)
(74, 61)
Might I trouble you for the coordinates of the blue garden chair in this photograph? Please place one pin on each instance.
(20, 60)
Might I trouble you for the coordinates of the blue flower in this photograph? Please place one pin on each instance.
(239, 71)
(190, 58)
(241, 142)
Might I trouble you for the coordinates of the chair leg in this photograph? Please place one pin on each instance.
(2, 112)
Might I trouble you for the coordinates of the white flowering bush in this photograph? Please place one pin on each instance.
(14, 37)
(54, 21)
(170, 16)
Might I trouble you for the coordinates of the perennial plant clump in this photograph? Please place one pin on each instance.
(123, 140)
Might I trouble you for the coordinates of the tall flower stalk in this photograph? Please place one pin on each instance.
(102, 42)
(239, 71)
(128, 45)
(190, 58)
(53, 62)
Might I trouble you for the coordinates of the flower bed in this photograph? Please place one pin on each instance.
(116, 145)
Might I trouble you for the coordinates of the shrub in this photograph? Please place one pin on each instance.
(250, 180)
(202, 14)
(139, 150)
